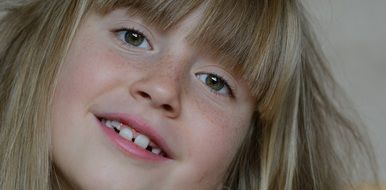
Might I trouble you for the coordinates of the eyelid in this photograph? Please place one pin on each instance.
(226, 83)
(127, 29)
(131, 28)
(137, 24)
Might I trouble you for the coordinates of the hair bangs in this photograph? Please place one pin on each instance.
(251, 38)
(243, 35)
(227, 30)
(160, 13)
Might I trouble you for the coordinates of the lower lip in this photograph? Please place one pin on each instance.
(130, 148)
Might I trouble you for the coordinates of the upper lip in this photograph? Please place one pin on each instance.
(140, 126)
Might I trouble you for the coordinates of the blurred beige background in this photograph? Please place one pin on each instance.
(353, 35)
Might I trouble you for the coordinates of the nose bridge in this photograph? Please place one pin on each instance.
(170, 67)
(161, 84)
(163, 80)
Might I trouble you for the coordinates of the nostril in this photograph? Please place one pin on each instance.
(144, 95)
(167, 107)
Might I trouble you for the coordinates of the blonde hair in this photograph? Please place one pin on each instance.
(300, 137)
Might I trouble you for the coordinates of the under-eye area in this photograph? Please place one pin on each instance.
(128, 133)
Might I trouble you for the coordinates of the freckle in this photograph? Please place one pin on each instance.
(172, 66)
(214, 117)
(201, 179)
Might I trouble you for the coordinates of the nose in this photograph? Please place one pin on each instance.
(160, 90)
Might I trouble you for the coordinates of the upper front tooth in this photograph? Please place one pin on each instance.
(126, 133)
(116, 124)
(108, 124)
(142, 141)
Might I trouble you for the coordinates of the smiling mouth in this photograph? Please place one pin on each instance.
(132, 136)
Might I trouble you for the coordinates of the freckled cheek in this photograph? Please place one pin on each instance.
(219, 141)
(213, 152)
(217, 135)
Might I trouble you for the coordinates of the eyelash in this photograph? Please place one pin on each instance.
(226, 84)
(125, 29)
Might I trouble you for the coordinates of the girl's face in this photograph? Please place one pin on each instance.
(181, 114)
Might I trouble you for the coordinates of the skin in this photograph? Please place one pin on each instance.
(103, 74)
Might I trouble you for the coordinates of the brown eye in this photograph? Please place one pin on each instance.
(216, 83)
(133, 38)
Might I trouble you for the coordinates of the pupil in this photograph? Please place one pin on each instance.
(134, 38)
(214, 82)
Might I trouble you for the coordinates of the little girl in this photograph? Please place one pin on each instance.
(170, 95)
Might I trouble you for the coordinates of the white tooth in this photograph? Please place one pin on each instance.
(108, 124)
(156, 150)
(142, 141)
(126, 133)
(116, 124)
